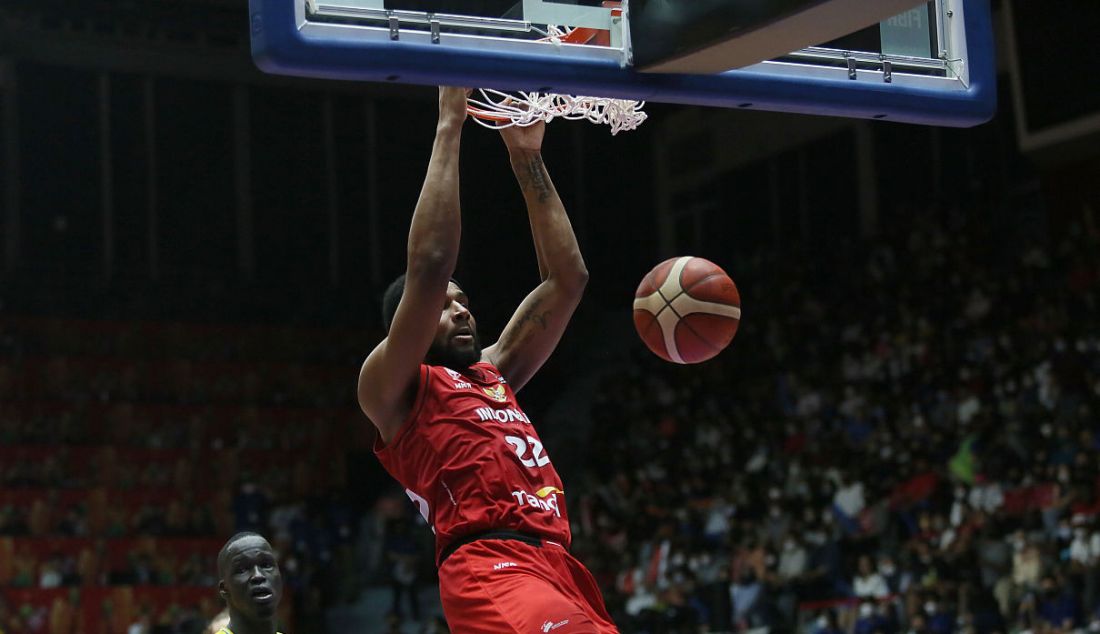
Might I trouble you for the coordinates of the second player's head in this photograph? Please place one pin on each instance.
(250, 582)
(456, 344)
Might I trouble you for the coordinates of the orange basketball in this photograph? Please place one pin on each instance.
(687, 309)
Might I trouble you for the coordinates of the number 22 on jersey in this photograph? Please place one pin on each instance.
(536, 458)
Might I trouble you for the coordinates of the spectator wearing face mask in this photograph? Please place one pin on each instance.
(868, 583)
(778, 522)
(939, 619)
(827, 623)
(793, 560)
(895, 580)
(870, 620)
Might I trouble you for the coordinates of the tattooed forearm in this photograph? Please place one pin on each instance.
(533, 315)
(533, 177)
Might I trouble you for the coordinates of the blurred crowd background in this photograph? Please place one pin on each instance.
(908, 444)
(129, 452)
(902, 438)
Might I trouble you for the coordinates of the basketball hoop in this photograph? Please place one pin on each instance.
(496, 109)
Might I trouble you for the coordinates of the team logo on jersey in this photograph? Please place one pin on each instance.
(545, 499)
(460, 381)
(496, 393)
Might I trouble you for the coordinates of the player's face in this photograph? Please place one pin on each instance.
(456, 344)
(252, 585)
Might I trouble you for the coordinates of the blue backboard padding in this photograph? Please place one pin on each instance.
(279, 47)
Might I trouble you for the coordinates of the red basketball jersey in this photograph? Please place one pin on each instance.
(471, 460)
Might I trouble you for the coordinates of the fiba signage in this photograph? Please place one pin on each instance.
(907, 33)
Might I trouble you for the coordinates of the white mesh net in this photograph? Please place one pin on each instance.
(495, 109)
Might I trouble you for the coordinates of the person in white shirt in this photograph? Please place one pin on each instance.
(1079, 551)
(793, 560)
(868, 583)
(849, 498)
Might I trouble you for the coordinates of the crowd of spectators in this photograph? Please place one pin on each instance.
(129, 451)
(902, 438)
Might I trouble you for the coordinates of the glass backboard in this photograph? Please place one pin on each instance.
(930, 63)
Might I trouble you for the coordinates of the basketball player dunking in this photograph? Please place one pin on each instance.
(450, 429)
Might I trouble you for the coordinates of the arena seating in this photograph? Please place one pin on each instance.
(902, 438)
(906, 442)
(130, 451)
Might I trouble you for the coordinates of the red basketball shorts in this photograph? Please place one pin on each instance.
(494, 586)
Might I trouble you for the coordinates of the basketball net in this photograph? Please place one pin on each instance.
(496, 109)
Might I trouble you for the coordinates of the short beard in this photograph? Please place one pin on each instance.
(447, 356)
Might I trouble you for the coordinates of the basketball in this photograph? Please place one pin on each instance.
(687, 310)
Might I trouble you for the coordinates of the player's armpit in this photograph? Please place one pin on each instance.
(535, 329)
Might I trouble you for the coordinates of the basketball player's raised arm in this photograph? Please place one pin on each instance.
(537, 326)
(387, 380)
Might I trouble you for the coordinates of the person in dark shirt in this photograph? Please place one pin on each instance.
(1056, 603)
